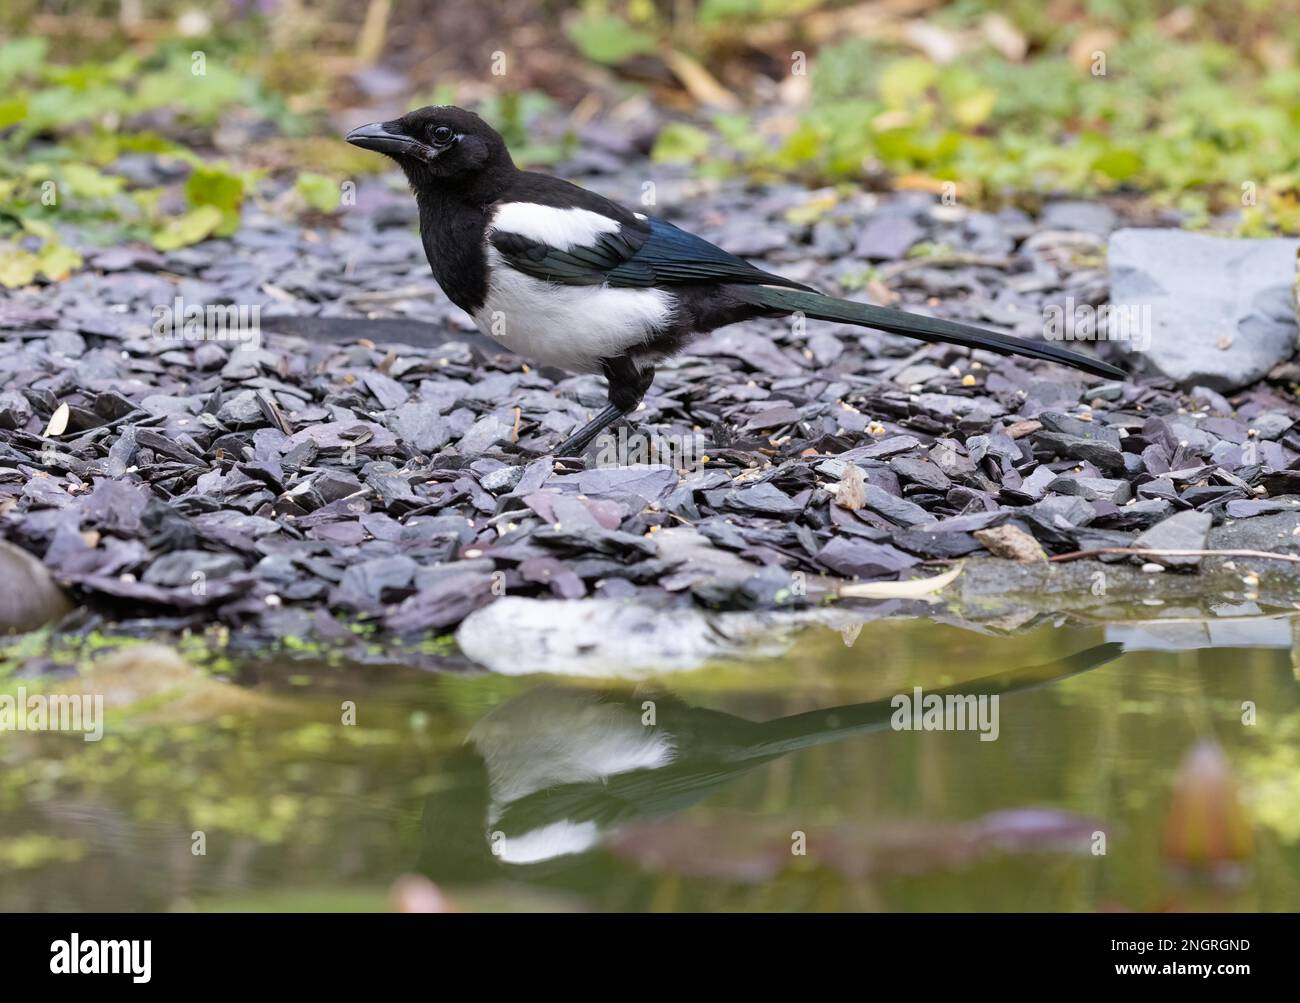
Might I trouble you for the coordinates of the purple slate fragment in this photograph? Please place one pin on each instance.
(750, 348)
(446, 601)
(888, 237)
(892, 446)
(387, 391)
(486, 432)
(1181, 531)
(897, 510)
(857, 558)
(115, 506)
(650, 482)
(362, 436)
(1092, 488)
(762, 499)
(1244, 508)
(369, 580)
(554, 574)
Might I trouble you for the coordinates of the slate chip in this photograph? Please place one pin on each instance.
(191, 568)
(856, 558)
(1181, 531)
(1092, 488)
(895, 509)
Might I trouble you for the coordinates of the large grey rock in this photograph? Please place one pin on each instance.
(1222, 311)
(30, 598)
(605, 637)
(630, 639)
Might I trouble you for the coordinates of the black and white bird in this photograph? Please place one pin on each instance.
(550, 772)
(565, 277)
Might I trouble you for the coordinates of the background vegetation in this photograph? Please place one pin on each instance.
(1191, 106)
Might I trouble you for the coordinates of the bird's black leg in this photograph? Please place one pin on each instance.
(627, 385)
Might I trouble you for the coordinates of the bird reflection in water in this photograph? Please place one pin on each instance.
(546, 775)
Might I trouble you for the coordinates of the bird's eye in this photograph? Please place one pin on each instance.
(441, 135)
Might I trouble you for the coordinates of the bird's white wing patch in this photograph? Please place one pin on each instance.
(562, 229)
(551, 736)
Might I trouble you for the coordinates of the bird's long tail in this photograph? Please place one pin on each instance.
(923, 328)
(818, 727)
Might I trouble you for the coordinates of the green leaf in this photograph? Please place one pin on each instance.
(18, 268)
(319, 191)
(1118, 164)
(974, 109)
(85, 182)
(12, 111)
(21, 57)
(681, 143)
(906, 81)
(200, 96)
(38, 227)
(215, 186)
(802, 146)
(57, 262)
(197, 224)
(608, 39)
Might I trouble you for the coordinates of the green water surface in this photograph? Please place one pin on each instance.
(777, 784)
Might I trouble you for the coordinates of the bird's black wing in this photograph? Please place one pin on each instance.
(648, 253)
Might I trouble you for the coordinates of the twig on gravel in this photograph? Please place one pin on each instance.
(1266, 555)
(388, 295)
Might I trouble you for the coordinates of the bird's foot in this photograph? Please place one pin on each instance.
(576, 444)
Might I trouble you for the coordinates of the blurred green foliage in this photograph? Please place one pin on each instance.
(605, 38)
(1192, 105)
(1192, 125)
(98, 112)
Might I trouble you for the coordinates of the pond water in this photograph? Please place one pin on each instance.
(776, 784)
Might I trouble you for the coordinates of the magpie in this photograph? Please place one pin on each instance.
(549, 772)
(567, 278)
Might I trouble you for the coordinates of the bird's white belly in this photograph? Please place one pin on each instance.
(551, 736)
(572, 327)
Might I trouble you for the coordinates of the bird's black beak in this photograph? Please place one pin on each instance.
(375, 137)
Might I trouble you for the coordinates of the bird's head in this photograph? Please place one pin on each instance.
(438, 146)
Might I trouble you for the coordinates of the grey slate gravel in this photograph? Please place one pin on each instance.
(391, 480)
